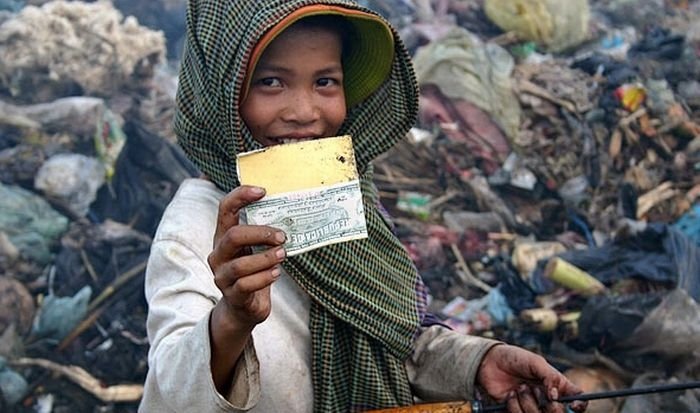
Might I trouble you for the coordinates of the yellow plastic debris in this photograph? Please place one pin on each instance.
(554, 24)
(631, 96)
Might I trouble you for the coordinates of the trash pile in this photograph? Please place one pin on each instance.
(548, 193)
(87, 165)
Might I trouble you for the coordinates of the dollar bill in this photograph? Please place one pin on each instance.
(313, 218)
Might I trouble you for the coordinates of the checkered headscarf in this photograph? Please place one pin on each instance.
(365, 307)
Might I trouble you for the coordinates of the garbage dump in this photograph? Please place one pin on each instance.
(549, 193)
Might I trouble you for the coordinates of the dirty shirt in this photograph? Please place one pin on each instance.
(274, 372)
(362, 324)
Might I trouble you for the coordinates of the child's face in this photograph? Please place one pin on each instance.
(296, 91)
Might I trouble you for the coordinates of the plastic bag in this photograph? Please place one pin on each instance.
(30, 223)
(463, 67)
(655, 253)
(73, 178)
(58, 316)
(676, 402)
(555, 24)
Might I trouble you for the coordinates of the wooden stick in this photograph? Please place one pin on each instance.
(615, 143)
(634, 116)
(533, 89)
(116, 284)
(18, 121)
(120, 393)
(468, 277)
(94, 308)
(502, 236)
(80, 328)
(88, 265)
(631, 137)
(654, 197)
(442, 199)
(447, 407)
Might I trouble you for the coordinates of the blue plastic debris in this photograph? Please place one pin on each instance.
(12, 5)
(689, 224)
(13, 386)
(59, 315)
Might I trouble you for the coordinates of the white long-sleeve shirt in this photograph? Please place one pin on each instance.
(274, 372)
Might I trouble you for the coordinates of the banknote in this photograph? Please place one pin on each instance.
(313, 218)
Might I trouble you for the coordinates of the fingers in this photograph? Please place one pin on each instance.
(528, 399)
(231, 205)
(578, 406)
(558, 385)
(554, 381)
(243, 290)
(239, 276)
(545, 403)
(236, 241)
(541, 370)
(245, 284)
(554, 407)
(509, 367)
(234, 271)
(513, 404)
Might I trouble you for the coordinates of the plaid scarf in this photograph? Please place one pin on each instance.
(366, 306)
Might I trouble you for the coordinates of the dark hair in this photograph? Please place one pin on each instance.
(334, 23)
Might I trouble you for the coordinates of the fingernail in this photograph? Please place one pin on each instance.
(280, 236)
(511, 394)
(276, 272)
(257, 190)
(522, 388)
(554, 394)
(280, 253)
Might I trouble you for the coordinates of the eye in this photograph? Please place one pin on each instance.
(327, 82)
(270, 82)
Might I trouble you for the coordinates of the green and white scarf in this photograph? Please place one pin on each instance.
(365, 308)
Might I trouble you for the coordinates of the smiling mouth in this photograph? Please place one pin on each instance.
(284, 141)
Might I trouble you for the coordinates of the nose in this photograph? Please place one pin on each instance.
(303, 108)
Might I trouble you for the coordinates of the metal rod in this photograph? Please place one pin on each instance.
(657, 388)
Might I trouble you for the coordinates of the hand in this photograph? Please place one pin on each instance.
(525, 381)
(245, 278)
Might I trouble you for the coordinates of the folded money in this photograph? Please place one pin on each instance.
(313, 192)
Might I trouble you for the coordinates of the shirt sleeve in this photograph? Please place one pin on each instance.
(181, 294)
(444, 364)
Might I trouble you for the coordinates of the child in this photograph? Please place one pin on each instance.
(338, 329)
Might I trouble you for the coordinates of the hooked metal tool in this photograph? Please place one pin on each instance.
(478, 407)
